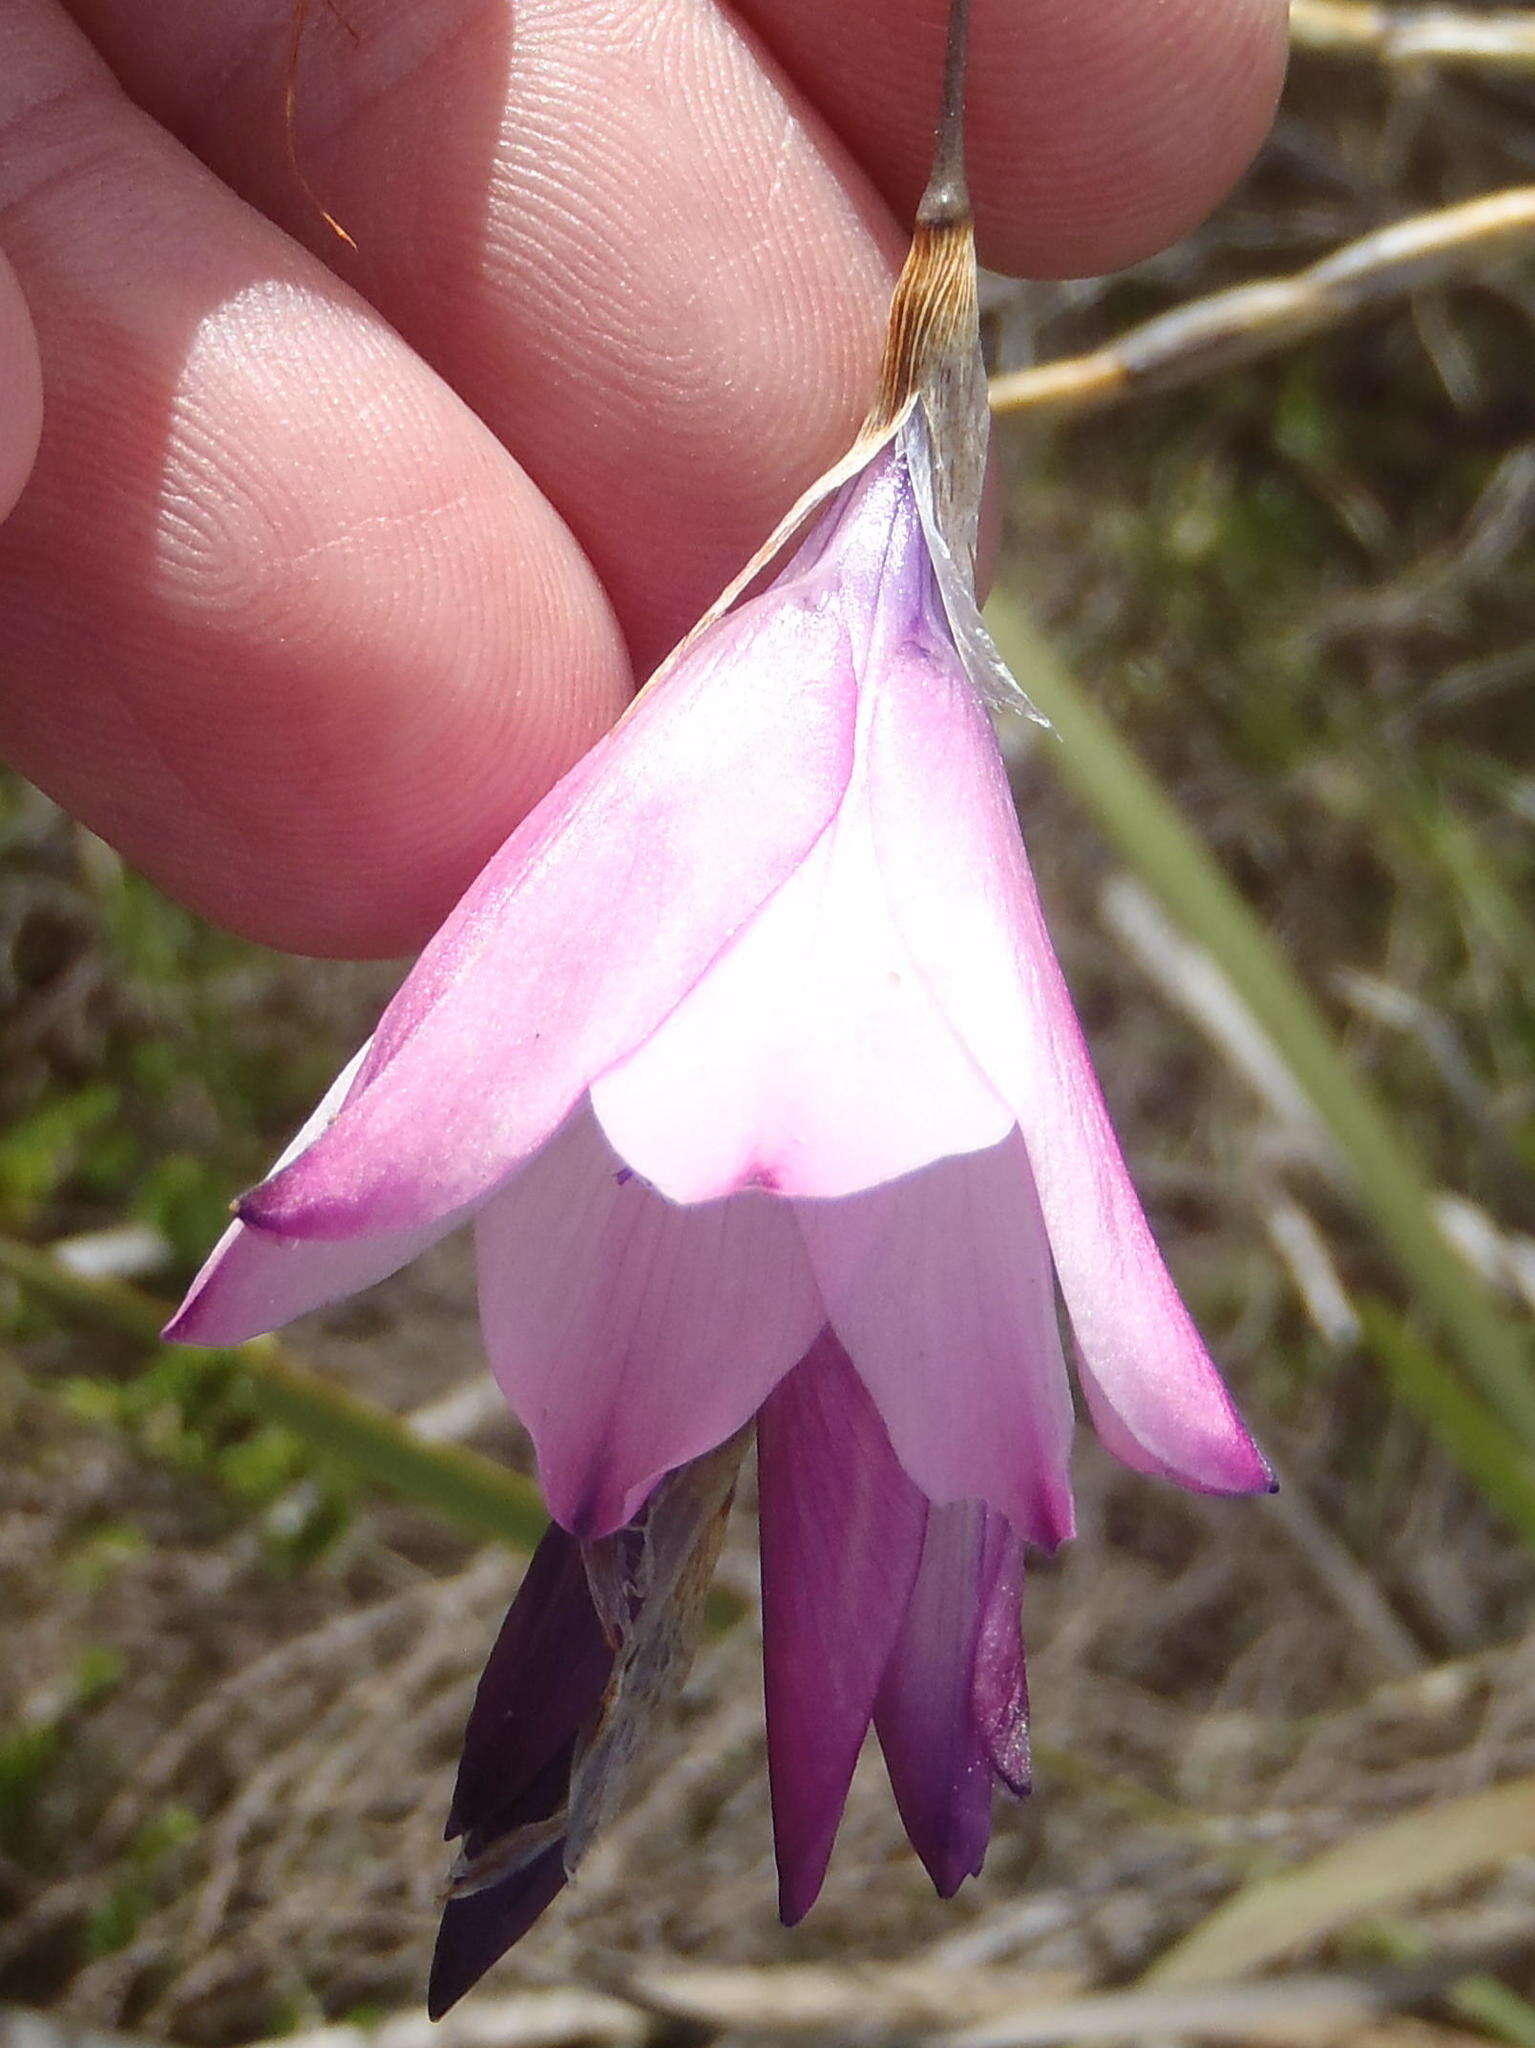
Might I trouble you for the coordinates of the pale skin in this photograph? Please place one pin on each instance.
(330, 561)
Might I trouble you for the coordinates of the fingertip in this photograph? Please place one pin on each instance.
(1097, 133)
(1106, 135)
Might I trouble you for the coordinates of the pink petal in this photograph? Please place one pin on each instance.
(594, 919)
(630, 1334)
(949, 845)
(811, 1059)
(939, 1285)
(256, 1280)
(937, 1748)
(541, 1689)
(841, 1536)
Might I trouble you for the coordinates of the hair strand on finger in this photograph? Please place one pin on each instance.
(296, 25)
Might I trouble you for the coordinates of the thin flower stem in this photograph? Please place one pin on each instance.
(947, 198)
(1501, 39)
(1254, 320)
(1141, 820)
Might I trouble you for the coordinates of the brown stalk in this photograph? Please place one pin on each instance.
(933, 311)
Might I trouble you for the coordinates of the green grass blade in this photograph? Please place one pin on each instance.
(1136, 814)
(472, 1492)
(1472, 1435)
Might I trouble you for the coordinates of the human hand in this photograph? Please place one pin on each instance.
(333, 560)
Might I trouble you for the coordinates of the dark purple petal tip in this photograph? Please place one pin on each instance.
(541, 1687)
(477, 1930)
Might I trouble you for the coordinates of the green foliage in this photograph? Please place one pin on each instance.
(187, 1200)
(37, 1750)
(94, 1556)
(192, 1410)
(196, 1070)
(195, 1067)
(67, 1136)
(145, 1875)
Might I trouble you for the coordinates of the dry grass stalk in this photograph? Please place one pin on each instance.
(561, 2016)
(1258, 319)
(1503, 39)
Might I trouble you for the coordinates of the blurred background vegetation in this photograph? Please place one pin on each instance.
(1285, 1750)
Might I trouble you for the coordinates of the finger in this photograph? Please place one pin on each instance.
(1099, 130)
(277, 614)
(636, 248)
(632, 248)
(21, 390)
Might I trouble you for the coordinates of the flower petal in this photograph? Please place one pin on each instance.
(960, 886)
(841, 1536)
(476, 1931)
(937, 1747)
(630, 1334)
(594, 919)
(811, 1058)
(255, 1280)
(542, 1682)
(542, 1685)
(939, 1285)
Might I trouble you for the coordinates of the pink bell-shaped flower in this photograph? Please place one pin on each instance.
(752, 1029)
(750, 1059)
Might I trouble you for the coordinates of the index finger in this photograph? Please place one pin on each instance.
(647, 261)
